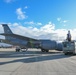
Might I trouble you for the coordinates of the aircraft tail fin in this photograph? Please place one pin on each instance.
(7, 30)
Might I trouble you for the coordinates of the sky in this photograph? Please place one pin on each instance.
(39, 19)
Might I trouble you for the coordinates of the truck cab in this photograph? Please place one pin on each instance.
(68, 47)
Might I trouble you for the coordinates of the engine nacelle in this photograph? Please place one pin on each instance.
(48, 44)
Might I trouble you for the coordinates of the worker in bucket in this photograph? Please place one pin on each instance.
(69, 36)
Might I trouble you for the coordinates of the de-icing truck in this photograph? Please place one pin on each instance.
(69, 46)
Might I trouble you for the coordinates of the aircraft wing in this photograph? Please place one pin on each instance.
(7, 41)
(19, 37)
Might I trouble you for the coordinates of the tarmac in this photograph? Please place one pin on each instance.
(35, 62)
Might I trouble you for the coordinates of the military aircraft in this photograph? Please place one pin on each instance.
(27, 42)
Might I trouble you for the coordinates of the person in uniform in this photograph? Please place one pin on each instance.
(69, 36)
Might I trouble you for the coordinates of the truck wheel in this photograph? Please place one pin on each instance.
(17, 50)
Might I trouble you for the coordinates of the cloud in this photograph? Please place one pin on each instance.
(62, 21)
(9, 1)
(1, 28)
(65, 21)
(25, 7)
(1, 31)
(33, 23)
(30, 23)
(47, 31)
(21, 14)
(58, 19)
(48, 27)
(39, 23)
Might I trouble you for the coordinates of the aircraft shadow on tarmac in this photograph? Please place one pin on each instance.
(33, 56)
(13, 54)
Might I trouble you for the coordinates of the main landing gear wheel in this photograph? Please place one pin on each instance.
(43, 50)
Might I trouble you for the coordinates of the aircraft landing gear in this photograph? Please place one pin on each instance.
(17, 50)
(44, 50)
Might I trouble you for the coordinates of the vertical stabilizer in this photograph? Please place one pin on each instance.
(6, 29)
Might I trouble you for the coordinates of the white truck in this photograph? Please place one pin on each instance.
(69, 47)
